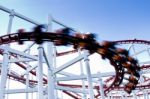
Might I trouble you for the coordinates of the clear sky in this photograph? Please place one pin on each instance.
(110, 19)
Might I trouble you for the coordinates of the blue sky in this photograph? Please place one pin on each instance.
(110, 19)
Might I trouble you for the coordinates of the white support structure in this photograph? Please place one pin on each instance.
(4, 71)
(147, 95)
(27, 84)
(66, 65)
(82, 73)
(77, 77)
(109, 95)
(27, 78)
(40, 72)
(122, 95)
(134, 95)
(101, 87)
(11, 17)
(51, 85)
(88, 71)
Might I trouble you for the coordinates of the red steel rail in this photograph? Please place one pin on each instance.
(119, 58)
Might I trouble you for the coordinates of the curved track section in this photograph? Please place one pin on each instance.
(135, 41)
(119, 58)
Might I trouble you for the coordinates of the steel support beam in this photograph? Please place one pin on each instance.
(88, 72)
(40, 72)
(101, 87)
(76, 90)
(82, 73)
(18, 15)
(15, 91)
(80, 77)
(4, 71)
(49, 58)
(66, 65)
(20, 53)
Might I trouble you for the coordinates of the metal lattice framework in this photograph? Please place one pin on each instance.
(48, 84)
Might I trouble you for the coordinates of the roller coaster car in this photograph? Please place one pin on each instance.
(122, 51)
(38, 29)
(89, 40)
(20, 31)
(133, 79)
(130, 85)
(102, 51)
(137, 74)
(60, 42)
(126, 65)
(108, 44)
(127, 89)
(134, 69)
(79, 35)
(132, 60)
(117, 58)
(82, 45)
(134, 72)
(63, 31)
(37, 33)
(89, 36)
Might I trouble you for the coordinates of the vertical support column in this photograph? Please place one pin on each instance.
(134, 95)
(109, 95)
(51, 85)
(32, 97)
(61, 95)
(147, 94)
(4, 68)
(122, 94)
(11, 16)
(40, 72)
(89, 77)
(55, 66)
(144, 94)
(82, 73)
(101, 89)
(27, 83)
(4, 72)
(27, 78)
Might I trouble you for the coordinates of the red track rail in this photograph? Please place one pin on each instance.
(119, 58)
(135, 41)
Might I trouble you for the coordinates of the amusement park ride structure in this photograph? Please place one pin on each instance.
(128, 79)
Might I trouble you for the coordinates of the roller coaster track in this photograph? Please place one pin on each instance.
(138, 87)
(134, 41)
(118, 58)
(21, 79)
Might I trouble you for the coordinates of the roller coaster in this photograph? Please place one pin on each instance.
(128, 79)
